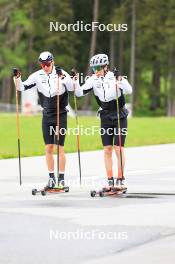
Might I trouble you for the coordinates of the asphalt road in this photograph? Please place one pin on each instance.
(75, 228)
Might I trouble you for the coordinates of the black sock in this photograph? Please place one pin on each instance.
(51, 175)
(111, 181)
(61, 177)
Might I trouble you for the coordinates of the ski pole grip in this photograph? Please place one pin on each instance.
(116, 73)
(73, 73)
(16, 72)
(58, 71)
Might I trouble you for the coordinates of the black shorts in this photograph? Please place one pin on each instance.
(110, 132)
(49, 129)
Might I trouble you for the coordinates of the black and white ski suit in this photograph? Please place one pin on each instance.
(47, 87)
(104, 89)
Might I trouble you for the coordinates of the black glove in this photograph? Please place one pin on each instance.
(73, 73)
(58, 70)
(16, 72)
(116, 73)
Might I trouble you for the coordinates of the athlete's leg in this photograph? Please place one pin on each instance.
(62, 159)
(120, 160)
(108, 160)
(49, 143)
(49, 148)
(107, 141)
(49, 151)
(119, 142)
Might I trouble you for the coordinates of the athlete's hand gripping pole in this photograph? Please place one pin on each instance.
(59, 73)
(73, 75)
(118, 76)
(17, 74)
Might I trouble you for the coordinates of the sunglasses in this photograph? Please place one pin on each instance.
(46, 64)
(96, 68)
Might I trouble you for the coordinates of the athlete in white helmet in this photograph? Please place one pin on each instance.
(45, 81)
(103, 84)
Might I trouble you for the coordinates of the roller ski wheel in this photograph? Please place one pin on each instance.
(43, 192)
(66, 189)
(124, 191)
(34, 191)
(93, 193)
(101, 193)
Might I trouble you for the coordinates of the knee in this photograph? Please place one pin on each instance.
(108, 150)
(117, 148)
(61, 150)
(49, 149)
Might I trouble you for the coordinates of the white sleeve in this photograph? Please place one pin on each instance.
(72, 84)
(28, 84)
(87, 86)
(68, 82)
(78, 88)
(125, 86)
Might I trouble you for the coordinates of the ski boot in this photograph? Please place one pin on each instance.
(110, 185)
(111, 182)
(61, 182)
(120, 182)
(51, 183)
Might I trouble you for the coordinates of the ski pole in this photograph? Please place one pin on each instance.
(59, 73)
(116, 74)
(15, 74)
(77, 125)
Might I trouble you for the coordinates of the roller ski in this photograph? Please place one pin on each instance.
(111, 189)
(52, 188)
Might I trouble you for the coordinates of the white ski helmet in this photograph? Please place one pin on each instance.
(45, 56)
(99, 60)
